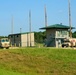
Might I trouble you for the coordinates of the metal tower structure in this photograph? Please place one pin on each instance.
(12, 25)
(70, 21)
(45, 16)
(30, 25)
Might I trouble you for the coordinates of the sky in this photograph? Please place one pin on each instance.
(57, 12)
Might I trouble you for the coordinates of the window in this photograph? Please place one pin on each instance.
(7, 40)
(17, 35)
(62, 33)
(4, 40)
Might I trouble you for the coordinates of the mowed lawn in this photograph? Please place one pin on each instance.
(38, 61)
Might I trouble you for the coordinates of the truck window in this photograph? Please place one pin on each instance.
(7, 40)
(3, 40)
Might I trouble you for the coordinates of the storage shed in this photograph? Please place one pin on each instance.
(22, 39)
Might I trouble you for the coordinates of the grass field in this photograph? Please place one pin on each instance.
(38, 61)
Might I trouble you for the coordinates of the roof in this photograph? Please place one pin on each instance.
(21, 33)
(57, 26)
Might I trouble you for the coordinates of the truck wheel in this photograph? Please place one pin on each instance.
(67, 45)
(62, 45)
(7, 48)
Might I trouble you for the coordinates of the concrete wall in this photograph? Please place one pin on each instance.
(50, 36)
(50, 32)
(31, 39)
(25, 39)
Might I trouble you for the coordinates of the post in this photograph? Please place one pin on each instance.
(12, 25)
(70, 23)
(20, 30)
(45, 16)
(30, 25)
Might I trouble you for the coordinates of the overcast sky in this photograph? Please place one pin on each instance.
(57, 12)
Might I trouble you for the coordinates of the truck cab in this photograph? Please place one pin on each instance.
(4, 43)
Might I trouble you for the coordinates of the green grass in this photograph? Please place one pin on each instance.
(38, 61)
(5, 72)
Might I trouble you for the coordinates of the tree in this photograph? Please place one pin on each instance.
(74, 34)
(40, 36)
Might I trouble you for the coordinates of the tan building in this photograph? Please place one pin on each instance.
(55, 34)
(22, 39)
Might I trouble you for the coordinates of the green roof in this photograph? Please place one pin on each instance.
(57, 26)
(21, 33)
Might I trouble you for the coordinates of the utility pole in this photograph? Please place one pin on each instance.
(45, 16)
(20, 30)
(30, 25)
(70, 22)
(12, 25)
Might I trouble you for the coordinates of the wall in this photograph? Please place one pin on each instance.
(24, 40)
(30, 39)
(50, 34)
(15, 40)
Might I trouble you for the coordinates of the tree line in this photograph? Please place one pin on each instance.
(40, 36)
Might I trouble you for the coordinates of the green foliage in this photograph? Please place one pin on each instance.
(39, 61)
(74, 34)
(40, 36)
(3, 36)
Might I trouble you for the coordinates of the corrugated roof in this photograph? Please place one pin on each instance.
(57, 26)
(21, 33)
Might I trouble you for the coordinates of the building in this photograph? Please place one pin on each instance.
(55, 34)
(22, 39)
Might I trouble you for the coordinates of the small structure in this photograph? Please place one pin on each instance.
(22, 39)
(55, 34)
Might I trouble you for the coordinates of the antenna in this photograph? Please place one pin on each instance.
(30, 25)
(45, 16)
(70, 23)
(12, 25)
(20, 30)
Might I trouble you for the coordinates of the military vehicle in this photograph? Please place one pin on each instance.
(4, 43)
(70, 42)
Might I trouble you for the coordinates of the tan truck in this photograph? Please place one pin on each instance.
(4, 43)
(70, 42)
